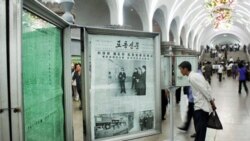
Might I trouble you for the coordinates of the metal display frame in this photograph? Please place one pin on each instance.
(86, 97)
(169, 83)
(172, 87)
(176, 67)
(172, 90)
(15, 46)
(15, 20)
(4, 107)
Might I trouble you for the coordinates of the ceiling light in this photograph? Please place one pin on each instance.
(221, 12)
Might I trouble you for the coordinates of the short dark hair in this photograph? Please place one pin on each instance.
(240, 65)
(186, 64)
(77, 64)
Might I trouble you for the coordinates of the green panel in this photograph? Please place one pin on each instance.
(42, 80)
(75, 59)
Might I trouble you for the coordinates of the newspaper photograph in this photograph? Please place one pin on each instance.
(146, 120)
(125, 78)
(108, 125)
(125, 71)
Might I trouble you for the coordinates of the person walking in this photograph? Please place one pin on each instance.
(74, 86)
(229, 69)
(220, 71)
(231, 59)
(208, 72)
(178, 95)
(234, 70)
(77, 78)
(203, 68)
(188, 91)
(242, 77)
(203, 101)
(164, 103)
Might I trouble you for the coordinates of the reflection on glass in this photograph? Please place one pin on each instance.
(42, 79)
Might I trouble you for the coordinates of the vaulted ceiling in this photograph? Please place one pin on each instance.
(183, 21)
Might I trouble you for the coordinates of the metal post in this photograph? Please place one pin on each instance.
(171, 92)
(172, 88)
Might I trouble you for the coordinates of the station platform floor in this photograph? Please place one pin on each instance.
(232, 108)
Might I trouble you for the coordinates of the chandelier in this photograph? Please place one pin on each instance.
(221, 12)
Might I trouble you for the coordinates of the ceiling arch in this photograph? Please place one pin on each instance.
(191, 14)
(190, 36)
(92, 8)
(187, 15)
(203, 23)
(132, 19)
(183, 34)
(159, 17)
(224, 39)
(208, 34)
(140, 7)
(174, 29)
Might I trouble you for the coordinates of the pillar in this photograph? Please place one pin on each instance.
(116, 11)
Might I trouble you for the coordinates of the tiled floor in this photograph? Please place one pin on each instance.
(233, 110)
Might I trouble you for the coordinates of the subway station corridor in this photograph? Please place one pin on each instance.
(101, 70)
(233, 110)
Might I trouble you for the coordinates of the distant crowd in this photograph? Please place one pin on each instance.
(220, 52)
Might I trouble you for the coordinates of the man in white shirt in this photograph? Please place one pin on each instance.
(231, 60)
(220, 71)
(229, 69)
(203, 101)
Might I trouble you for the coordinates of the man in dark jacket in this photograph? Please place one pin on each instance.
(122, 78)
(208, 72)
(143, 81)
(134, 77)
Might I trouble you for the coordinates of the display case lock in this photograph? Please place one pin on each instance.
(15, 110)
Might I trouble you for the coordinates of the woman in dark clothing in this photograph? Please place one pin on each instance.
(242, 77)
(77, 77)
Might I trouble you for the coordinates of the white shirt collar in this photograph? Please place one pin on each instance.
(190, 74)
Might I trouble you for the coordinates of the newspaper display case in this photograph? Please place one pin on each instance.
(4, 112)
(39, 73)
(122, 83)
(181, 80)
(166, 71)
